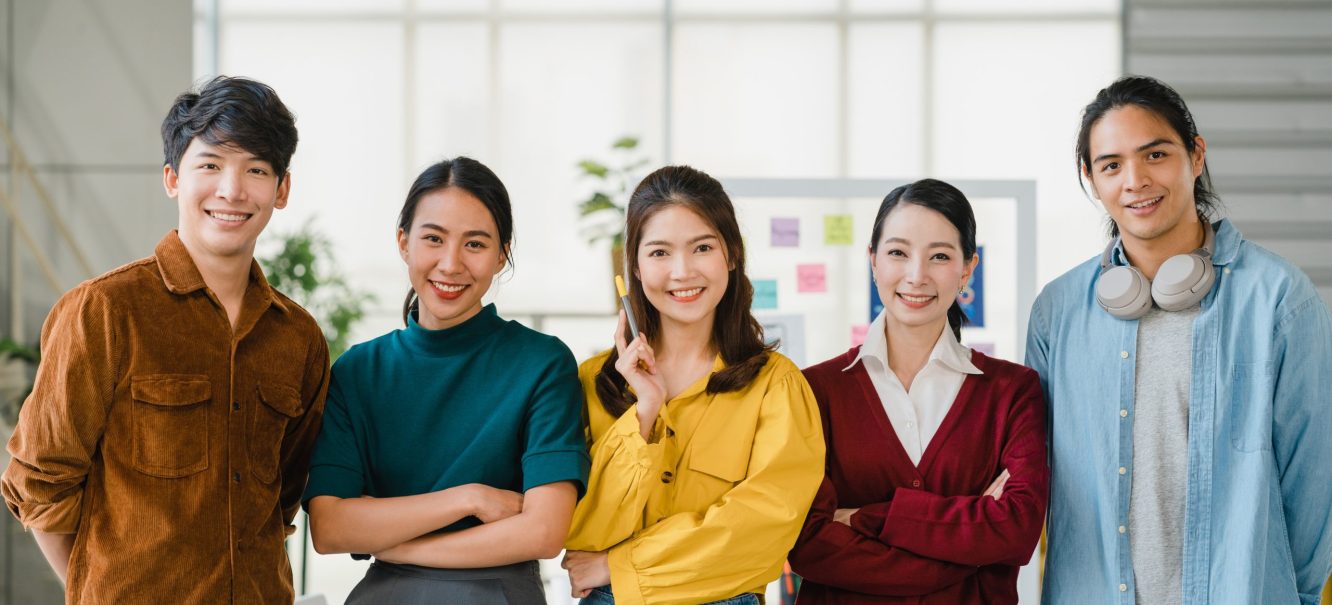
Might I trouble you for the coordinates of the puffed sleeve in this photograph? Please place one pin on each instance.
(741, 540)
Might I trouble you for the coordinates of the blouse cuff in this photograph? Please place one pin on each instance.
(624, 578)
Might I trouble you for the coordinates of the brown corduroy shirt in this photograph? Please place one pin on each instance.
(173, 446)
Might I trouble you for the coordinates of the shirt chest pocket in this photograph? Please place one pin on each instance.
(1250, 406)
(278, 405)
(170, 420)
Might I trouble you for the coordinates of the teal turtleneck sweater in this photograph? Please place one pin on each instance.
(415, 411)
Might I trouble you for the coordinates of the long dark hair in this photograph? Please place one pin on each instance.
(474, 178)
(953, 205)
(1159, 98)
(735, 332)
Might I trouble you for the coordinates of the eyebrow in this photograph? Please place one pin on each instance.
(1154, 143)
(213, 155)
(692, 241)
(899, 240)
(472, 233)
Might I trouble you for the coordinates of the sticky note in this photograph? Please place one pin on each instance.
(837, 229)
(765, 294)
(785, 232)
(858, 332)
(812, 278)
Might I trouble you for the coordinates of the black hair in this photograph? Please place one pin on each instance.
(953, 205)
(474, 178)
(234, 112)
(1159, 98)
(736, 334)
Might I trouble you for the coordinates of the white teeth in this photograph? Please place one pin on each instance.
(685, 293)
(446, 287)
(1145, 203)
(228, 217)
(915, 299)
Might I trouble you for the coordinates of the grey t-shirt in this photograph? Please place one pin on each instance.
(1160, 454)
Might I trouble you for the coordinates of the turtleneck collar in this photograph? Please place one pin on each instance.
(462, 338)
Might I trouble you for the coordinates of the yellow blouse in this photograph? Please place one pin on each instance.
(711, 507)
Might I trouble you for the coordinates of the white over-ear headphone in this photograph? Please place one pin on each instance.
(1182, 281)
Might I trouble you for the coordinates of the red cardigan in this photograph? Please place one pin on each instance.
(925, 535)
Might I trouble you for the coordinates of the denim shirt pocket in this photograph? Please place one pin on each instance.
(1252, 387)
(279, 404)
(170, 420)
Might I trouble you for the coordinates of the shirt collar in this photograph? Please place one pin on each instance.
(182, 276)
(1225, 245)
(947, 350)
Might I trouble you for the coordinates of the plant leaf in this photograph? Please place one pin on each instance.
(625, 143)
(598, 202)
(594, 168)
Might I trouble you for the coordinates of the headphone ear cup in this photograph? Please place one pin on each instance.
(1182, 281)
(1124, 292)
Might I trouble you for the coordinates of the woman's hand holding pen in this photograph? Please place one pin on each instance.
(638, 365)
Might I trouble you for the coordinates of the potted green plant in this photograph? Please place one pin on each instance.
(18, 367)
(603, 211)
(303, 267)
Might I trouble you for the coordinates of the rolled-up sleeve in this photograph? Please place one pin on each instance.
(63, 419)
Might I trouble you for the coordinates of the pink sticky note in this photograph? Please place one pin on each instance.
(858, 332)
(785, 232)
(812, 278)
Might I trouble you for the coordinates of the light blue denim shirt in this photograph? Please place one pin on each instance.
(1258, 514)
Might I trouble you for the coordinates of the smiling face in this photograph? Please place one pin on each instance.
(682, 267)
(452, 253)
(1144, 176)
(919, 267)
(225, 197)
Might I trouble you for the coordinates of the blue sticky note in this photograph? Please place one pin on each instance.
(972, 298)
(765, 294)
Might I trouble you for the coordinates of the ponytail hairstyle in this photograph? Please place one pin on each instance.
(1159, 98)
(953, 205)
(474, 178)
(736, 334)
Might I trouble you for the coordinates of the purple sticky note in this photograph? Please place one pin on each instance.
(785, 232)
(812, 278)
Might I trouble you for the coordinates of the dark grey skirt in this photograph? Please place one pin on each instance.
(517, 584)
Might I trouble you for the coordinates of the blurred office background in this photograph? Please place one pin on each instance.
(751, 91)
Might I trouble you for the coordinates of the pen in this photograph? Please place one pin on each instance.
(624, 302)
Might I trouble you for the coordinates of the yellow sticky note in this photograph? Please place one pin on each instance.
(837, 229)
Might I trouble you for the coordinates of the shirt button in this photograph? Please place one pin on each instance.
(666, 477)
(1123, 587)
(915, 483)
(1123, 413)
(235, 477)
(1122, 529)
(1226, 270)
(1123, 354)
(1122, 470)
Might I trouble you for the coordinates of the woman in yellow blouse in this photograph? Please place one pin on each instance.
(706, 445)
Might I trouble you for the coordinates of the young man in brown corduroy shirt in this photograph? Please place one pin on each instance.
(164, 448)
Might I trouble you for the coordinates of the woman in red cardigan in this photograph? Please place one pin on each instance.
(937, 479)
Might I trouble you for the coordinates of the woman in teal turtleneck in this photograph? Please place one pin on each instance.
(452, 450)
